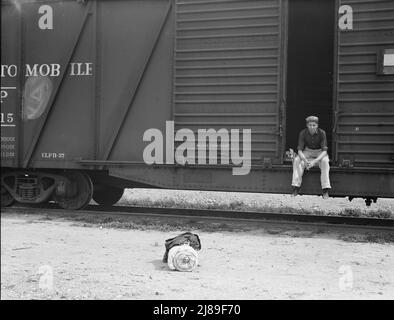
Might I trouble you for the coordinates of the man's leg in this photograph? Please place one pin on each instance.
(325, 173)
(298, 171)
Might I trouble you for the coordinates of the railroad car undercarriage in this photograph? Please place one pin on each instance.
(74, 189)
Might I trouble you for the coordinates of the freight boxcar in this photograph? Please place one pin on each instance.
(98, 96)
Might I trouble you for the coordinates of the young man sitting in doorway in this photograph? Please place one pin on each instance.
(312, 150)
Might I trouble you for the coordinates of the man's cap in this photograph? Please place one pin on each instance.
(312, 119)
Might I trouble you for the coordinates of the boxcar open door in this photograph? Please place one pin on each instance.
(310, 66)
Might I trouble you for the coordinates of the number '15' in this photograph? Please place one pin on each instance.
(7, 117)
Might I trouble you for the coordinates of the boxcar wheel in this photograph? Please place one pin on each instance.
(106, 195)
(6, 198)
(79, 194)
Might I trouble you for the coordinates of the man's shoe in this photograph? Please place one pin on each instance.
(325, 194)
(295, 191)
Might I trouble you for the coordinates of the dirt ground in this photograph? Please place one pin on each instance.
(54, 258)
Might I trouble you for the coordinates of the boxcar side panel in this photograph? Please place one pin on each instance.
(90, 85)
(365, 99)
(10, 85)
(136, 64)
(65, 128)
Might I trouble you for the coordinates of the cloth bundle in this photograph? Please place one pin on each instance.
(183, 255)
(182, 258)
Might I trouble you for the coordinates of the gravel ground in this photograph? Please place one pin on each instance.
(384, 208)
(55, 258)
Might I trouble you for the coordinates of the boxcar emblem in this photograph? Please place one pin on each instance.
(35, 97)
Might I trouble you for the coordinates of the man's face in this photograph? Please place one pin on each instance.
(312, 127)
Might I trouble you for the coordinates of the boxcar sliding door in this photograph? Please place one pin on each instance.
(228, 70)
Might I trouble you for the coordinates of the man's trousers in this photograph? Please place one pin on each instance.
(300, 165)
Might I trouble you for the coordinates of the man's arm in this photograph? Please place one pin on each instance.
(321, 156)
(302, 156)
(314, 161)
(301, 145)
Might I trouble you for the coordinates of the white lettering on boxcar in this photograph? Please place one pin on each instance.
(3, 95)
(7, 118)
(44, 70)
(47, 69)
(346, 20)
(53, 155)
(46, 20)
(81, 69)
(9, 70)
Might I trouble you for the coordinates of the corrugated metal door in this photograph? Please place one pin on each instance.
(228, 69)
(365, 99)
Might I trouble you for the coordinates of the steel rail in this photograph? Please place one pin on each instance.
(222, 215)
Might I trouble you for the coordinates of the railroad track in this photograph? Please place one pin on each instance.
(215, 215)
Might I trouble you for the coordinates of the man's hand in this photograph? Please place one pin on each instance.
(311, 164)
